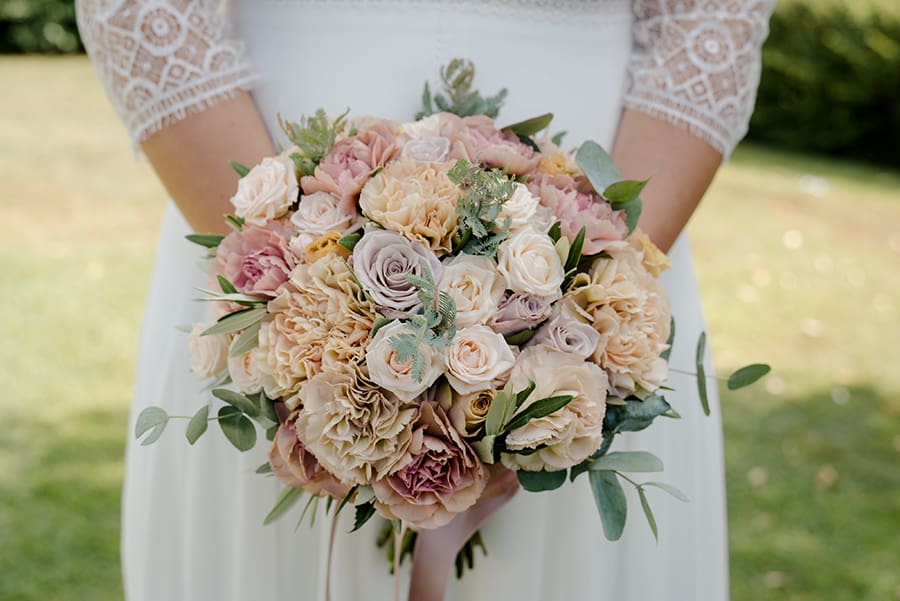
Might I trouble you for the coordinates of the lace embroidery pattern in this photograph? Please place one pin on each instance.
(162, 60)
(697, 64)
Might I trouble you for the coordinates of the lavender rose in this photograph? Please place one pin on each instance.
(569, 335)
(382, 260)
(441, 477)
(519, 312)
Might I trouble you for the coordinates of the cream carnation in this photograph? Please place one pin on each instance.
(529, 262)
(209, 354)
(267, 191)
(476, 358)
(418, 201)
(295, 466)
(475, 286)
(569, 435)
(355, 429)
(387, 370)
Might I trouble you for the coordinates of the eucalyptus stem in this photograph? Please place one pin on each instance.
(693, 373)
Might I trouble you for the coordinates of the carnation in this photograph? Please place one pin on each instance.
(295, 466)
(256, 260)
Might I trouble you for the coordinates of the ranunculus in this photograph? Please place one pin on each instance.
(630, 310)
(476, 287)
(427, 150)
(486, 144)
(416, 200)
(295, 466)
(209, 354)
(321, 212)
(243, 371)
(521, 209)
(575, 205)
(267, 192)
(476, 358)
(654, 260)
(313, 250)
(519, 312)
(256, 260)
(529, 262)
(441, 478)
(569, 435)
(387, 370)
(358, 431)
(569, 335)
(468, 411)
(350, 163)
(382, 260)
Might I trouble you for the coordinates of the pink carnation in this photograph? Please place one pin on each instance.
(575, 205)
(256, 259)
(440, 478)
(486, 144)
(295, 466)
(350, 163)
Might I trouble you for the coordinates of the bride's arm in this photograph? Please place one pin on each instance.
(179, 82)
(694, 74)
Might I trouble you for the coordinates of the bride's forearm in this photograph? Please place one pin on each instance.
(680, 167)
(191, 158)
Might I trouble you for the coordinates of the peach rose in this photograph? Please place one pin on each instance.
(388, 371)
(476, 358)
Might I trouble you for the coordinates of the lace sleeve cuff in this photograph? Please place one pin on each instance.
(162, 60)
(696, 64)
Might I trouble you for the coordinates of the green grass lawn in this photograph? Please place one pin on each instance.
(798, 260)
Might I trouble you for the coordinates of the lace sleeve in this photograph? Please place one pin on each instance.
(161, 60)
(696, 64)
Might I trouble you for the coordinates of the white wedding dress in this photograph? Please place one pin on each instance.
(192, 517)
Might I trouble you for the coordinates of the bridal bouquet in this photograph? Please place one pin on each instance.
(403, 305)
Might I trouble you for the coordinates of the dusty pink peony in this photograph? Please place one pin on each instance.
(348, 166)
(484, 143)
(295, 466)
(441, 477)
(256, 260)
(575, 205)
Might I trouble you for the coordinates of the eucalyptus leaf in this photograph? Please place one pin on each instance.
(538, 409)
(610, 501)
(241, 170)
(597, 165)
(623, 192)
(349, 241)
(198, 424)
(150, 417)
(264, 468)
(267, 407)
(205, 240)
(155, 433)
(519, 338)
(529, 127)
(238, 429)
(665, 354)
(747, 375)
(541, 481)
(271, 432)
(287, 499)
(246, 340)
(669, 489)
(575, 251)
(628, 461)
(558, 137)
(701, 373)
(241, 402)
(362, 515)
(632, 213)
(238, 320)
(633, 416)
(648, 513)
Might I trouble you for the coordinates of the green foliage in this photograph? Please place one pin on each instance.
(287, 499)
(314, 136)
(605, 177)
(747, 375)
(484, 192)
(32, 26)
(701, 372)
(542, 480)
(459, 97)
(830, 80)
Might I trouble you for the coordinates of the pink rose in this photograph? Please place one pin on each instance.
(486, 144)
(295, 466)
(441, 477)
(575, 205)
(348, 166)
(256, 260)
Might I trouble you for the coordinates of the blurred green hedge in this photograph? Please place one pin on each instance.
(830, 81)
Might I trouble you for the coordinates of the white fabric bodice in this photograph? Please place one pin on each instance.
(694, 63)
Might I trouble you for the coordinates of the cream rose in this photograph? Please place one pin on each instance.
(569, 435)
(386, 369)
(243, 371)
(521, 208)
(321, 212)
(209, 354)
(477, 357)
(267, 192)
(528, 261)
(475, 286)
(427, 150)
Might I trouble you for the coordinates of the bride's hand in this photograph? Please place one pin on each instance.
(501, 481)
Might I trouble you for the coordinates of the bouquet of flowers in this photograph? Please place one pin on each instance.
(401, 306)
